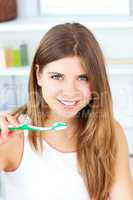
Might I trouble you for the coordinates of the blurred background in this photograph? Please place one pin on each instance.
(24, 22)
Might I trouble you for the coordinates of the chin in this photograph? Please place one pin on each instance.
(67, 116)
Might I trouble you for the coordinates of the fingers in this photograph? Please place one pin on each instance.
(5, 120)
(4, 126)
(11, 119)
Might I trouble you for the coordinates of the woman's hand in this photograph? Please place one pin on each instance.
(5, 120)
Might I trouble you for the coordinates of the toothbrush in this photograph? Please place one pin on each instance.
(56, 126)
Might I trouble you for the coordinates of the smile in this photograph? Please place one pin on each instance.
(69, 104)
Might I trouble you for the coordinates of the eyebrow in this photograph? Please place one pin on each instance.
(85, 74)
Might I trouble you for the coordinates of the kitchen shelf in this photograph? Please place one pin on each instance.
(46, 22)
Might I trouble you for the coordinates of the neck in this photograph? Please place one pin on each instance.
(64, 139)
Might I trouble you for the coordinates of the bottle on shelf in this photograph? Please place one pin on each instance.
(16, 57)
(8, 57)
(24, 54)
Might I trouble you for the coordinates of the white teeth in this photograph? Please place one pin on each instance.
(68, 103)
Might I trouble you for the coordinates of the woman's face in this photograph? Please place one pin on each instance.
(65, 87)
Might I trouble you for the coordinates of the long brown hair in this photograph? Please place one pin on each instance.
(96, 142)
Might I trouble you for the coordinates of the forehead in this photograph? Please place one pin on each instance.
(66, 65)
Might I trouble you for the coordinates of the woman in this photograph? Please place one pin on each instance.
(89, 159)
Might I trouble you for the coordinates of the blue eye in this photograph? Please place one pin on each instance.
(84, 78)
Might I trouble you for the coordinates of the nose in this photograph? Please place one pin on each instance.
(70, 90)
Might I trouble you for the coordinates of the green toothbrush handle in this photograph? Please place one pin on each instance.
(20, 127)
(56, 126)
(15, 128)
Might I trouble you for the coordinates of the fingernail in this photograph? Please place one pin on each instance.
(10, 132)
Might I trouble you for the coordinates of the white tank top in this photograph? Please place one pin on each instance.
(51, 176)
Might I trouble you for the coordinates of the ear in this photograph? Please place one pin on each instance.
(38, 75)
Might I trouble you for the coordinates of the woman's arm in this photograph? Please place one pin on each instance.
(10, 144)
(123, 186)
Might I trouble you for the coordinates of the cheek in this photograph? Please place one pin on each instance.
(49, 91)
(88, 90)
(87, 93)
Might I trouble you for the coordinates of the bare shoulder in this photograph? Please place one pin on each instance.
(120, 133)
(123, 149)
(10, 151)
(123, 185)
(121, 139)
